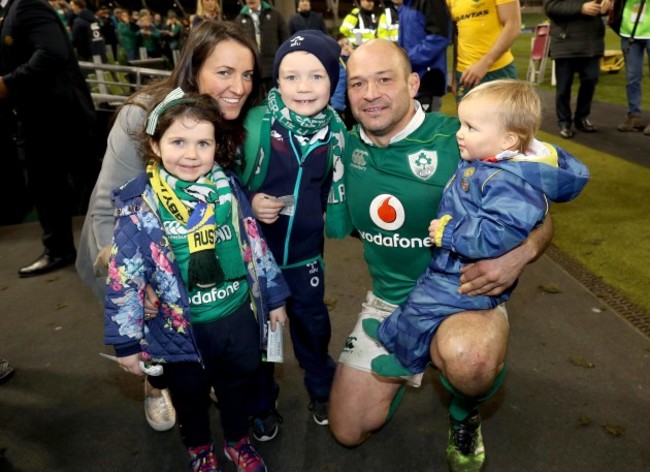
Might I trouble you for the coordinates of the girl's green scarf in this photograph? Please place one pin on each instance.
(204, 208)
(257, 150)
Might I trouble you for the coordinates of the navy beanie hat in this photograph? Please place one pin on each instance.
(325, 48)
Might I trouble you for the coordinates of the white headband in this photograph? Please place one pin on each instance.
(152, 121)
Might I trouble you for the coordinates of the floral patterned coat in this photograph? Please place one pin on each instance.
(141, 255)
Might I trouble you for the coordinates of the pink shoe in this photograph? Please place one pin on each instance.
(244, 456)
(202, 459)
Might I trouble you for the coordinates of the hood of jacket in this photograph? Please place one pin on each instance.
(548, 168)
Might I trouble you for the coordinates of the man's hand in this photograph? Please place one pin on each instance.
(590, 8)
(473, 75)
(605, 6)
(266, 208)
(493, 276)
(279, 315)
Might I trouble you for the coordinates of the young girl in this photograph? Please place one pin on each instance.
(218, 58)
(185, 228)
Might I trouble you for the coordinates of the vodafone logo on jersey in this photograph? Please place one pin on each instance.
(387, 212)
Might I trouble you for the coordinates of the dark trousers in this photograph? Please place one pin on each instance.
(14, 187)
(230, 353)
(309, 325)
(48, 150)
(588, 70)
(61, 166)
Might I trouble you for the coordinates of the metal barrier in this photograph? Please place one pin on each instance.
(108, 98)
(121, 79)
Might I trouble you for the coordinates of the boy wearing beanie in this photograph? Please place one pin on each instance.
(293, 170)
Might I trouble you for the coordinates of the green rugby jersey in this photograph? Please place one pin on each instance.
(211, 303)
(393, 194)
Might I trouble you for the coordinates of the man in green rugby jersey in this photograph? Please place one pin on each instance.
(398, 160)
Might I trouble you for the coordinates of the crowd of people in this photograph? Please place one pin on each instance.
(127, 35)
(204, 231)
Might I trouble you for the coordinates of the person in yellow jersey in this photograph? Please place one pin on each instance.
(485, 31)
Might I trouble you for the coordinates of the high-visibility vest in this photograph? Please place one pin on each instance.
(359, 27)
(388, 27)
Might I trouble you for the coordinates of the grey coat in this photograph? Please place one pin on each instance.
(122, 162)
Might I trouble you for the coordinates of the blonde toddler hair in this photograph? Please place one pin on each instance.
(519, 108)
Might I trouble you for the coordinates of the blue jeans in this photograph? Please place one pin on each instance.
(633, 54)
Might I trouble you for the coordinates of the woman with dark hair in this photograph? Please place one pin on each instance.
(218, 59)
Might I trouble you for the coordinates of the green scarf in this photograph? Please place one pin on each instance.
(205, 208)
(257, 150)
(247, 11)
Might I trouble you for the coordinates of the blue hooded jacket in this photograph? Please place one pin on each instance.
(488, 208)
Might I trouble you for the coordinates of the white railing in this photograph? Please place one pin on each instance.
(114, 83)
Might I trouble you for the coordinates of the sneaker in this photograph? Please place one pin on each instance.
(318, 409)
(465, 451)
(203, 459)
(585, 126)
(6, 370)
(566, 131)
(266, 427)
(646, 130)
(631, 123)
(158, 408)
(244, 456)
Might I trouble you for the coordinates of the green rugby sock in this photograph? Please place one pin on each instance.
(461, 406)
(397, 399)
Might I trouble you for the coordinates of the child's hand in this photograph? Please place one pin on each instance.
(131, 364)
(433, 226)
(151, 303)
(266, 208)
(279, 315)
